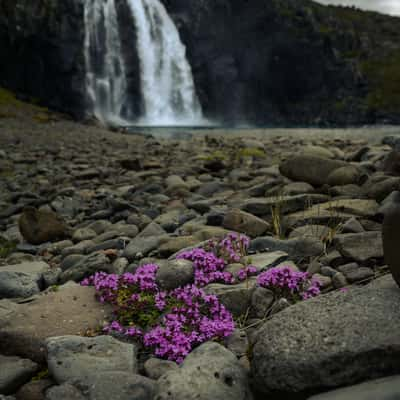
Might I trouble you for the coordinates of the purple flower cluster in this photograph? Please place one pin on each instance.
(208, 268)
(246, 272)
(170, 323)
(231, 248)
(209, 264)
(187, 324)
(292, 285)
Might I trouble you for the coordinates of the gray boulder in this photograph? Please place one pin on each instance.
(85, 267)
(360, 247)
(22, 280)
(307, 348)
(175, 273)
(209, 372)
(74, 357)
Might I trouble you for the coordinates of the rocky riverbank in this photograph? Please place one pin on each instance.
(78, 199)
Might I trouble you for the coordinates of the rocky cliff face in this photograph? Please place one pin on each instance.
(41, 51)
(263, 62)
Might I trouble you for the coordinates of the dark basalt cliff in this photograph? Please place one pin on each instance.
(256, 61)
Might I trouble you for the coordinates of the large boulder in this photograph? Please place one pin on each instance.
(75, 357)
(40, 226)
(310, 169)
(330, 341)
(209, 372)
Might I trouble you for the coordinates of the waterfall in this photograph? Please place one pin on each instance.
(105, 70)
(167, 87)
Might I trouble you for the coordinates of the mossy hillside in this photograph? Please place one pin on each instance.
(383, 76)
(12, 107)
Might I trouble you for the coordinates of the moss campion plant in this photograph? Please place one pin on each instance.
(172, 323)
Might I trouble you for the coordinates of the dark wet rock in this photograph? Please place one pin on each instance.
(40, 226)
(15, 372)
(354, 334)
(213, 370)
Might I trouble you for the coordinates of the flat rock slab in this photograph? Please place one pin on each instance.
(360, 247)
(69, 311)
(263, 261)
(14, 372)
(330, 341)
(75, 357)
(333, 211)
(21, 280)
(382, 389)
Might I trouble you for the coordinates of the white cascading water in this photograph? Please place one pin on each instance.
(167, 85)
(105, 71)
